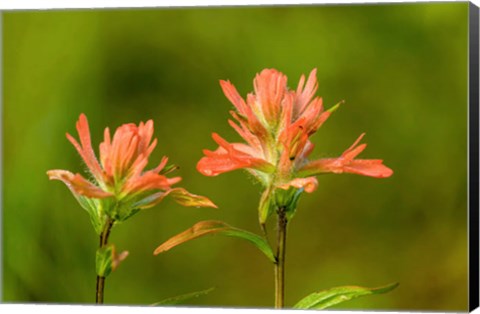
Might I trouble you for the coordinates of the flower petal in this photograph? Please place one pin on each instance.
(307, 150)
(347, 164)
(270, 87)
(304, 95)
(287, 110)
(215, 163)
(105, 148)
(243, 109)
(354, 150)
(85, 149)
(145, 133)
(369, 167)
(366, 167)
(124, 148)
(309, 184)
(232, 94)
(230, 157)
(245, 133)
(148, 181)
(161, 165)
(78, 184)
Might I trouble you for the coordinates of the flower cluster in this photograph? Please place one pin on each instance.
(120, 186)
(276, 123)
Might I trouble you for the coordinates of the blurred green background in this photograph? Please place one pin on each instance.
(402, 70)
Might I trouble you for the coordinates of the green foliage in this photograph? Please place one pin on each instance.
(104, 260)
(107, 260)
(266, 206)
(288, 199)
(328, 298)
(204, 228)
(272, 199)
(93, 208)
(335, 107)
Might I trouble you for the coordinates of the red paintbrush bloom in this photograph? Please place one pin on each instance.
(276, 123)
(120, 186)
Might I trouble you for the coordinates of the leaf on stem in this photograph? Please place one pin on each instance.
(103, 261)
(181, 298)
(327, 298)
(266, 206)
(107, 260)
(185, 198)
(204, 228)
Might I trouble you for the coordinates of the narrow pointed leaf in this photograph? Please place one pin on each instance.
(204, 228)
(185, 198)
(265, 208)
(184, 297)
(327, 298)
(168, 169)
(334, 108)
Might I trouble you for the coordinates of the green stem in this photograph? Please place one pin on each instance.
(280, 258)
(100, 288)
(103, 242)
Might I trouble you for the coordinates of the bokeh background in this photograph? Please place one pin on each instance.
(402, 70)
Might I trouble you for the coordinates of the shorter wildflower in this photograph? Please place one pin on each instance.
(120, 186)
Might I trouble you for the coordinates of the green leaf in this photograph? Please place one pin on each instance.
(266, 206)
(168, 169)
(92, 206)
(183, 297)
(179, 195)
(327, 298)
(104, 260)
(185, 198)
(288, 199)
(107, 260)
(334, 108)
(204, 228)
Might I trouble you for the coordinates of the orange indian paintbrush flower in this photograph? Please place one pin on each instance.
(276, 123)
(120, 186)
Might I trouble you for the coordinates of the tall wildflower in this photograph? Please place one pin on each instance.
(119, 185)
(276, 124)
